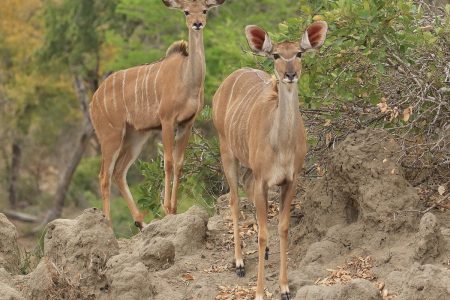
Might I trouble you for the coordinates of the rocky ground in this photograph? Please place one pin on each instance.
(359, 232)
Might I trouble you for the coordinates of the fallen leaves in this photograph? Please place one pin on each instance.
(236, 292)
(239, 293)
(394, 112)
(216, 269)
(357, 267)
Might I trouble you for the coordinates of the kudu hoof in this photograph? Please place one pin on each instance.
(240, 271)
(286, 296)
(266, 254)
(139, 225)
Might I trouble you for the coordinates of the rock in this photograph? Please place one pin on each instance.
(9, 250)
(7, 289)
(80, 249)
(356, 290)
(428, 239)
(158, 253)
(128, 278)
(187, 231)
(420, 282)
(47, 281)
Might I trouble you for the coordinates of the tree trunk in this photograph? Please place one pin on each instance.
(14, 173)
(77, 155)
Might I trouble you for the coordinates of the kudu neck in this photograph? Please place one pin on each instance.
(195, 71)
(285, 121)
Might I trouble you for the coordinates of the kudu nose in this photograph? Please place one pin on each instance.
(291, 76)
(198, 25)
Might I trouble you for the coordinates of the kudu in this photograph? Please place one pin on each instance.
(259, 125)
(133, 104)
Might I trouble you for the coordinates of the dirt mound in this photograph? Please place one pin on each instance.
(75, 256)
(355, 290)
(357, 233)
(9, 251)
(364, 207)
(7, 287)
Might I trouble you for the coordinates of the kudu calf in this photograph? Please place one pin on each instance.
(260, 127)
(164, 96)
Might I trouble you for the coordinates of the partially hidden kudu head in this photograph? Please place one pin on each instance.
(194, 10)
(286, 55)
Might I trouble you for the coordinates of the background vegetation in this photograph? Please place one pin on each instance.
(384, 64)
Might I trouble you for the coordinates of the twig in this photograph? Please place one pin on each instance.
(435, 205)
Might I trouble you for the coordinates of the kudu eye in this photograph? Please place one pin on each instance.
(186, 13)
(276, 56)
(299, 55)
(205, 12)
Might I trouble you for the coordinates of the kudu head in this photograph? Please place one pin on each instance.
(286, 55)
(194, 10)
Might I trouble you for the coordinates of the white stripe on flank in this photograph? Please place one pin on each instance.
(136, 110)
(149, 71)
(232, 89)
(114, 91)
(231, 119)
(156, 79)
(104, 98)
(142, 85)
(123, 95)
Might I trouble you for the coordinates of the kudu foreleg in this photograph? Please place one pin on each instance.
(168, 140)
(260, 196)
(230, 167)
(287, 194)
(181, 141)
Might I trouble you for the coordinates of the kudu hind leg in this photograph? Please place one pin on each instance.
(230, 167)
(287, 194)
(131, 149)
(110, 148)
(181, 141)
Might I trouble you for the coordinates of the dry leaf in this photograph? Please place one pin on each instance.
(327, 123)
(187, 277)
(394, 114)
(407, 113)
(328, 138)
(250, 252)
(385, 160)
(383, 105)
(441, 190)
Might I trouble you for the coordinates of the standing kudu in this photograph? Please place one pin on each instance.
(164, 96)
(260, 127)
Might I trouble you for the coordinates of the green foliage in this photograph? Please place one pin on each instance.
(84, 185)
(361, 35)
(201, 182)
(75, 32)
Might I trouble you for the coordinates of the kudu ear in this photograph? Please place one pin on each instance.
(258, 40)
(212, 3)
(172, 3)
(314, 36)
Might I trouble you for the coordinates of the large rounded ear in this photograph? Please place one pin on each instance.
(314, 36)
(172, 3)
(212, 3)
(258, 40)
